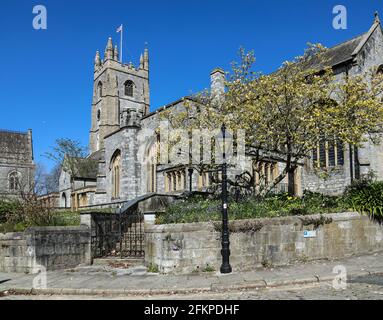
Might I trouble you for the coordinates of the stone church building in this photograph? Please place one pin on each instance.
(16, 163)
(123, 136)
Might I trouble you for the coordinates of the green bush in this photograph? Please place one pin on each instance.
(8, 208)
(67, 218)
(13, 227)
(199, 209)
(366, 197)
(12, 221)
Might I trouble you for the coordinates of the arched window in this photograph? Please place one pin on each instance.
(380, 69)
(64, 200)
(98, 115)
(129, 86)
(329, 153)
(115, 167)
(14, 181)
(99, 90)
(151, 160)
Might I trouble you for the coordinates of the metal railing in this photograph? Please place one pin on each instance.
(121, 233)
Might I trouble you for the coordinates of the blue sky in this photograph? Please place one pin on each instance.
(46, 75)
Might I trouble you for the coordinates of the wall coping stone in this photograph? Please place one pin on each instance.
(12, 236)
(57, 229)
(189, 227)
(31, 230)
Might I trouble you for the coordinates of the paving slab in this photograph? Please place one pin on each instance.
(106, 280)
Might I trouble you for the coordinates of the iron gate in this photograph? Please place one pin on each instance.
(118, 235)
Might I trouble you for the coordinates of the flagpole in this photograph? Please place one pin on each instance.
(122, 30)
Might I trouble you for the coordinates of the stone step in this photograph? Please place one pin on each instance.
(118, 262)
(128, 248)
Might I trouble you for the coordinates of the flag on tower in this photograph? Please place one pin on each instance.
(120, 30)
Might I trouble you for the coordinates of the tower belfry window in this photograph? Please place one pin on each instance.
(99, 89)
(129, 87)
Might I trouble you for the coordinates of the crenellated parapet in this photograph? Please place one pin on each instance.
(111, 58)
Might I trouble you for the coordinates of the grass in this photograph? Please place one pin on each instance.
(198, 209)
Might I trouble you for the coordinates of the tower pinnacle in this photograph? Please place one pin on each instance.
(115, 57)
(109, 49)
(146, 59)
(97, 59)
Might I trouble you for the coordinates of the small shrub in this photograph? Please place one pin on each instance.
(66, 218)
(267, 264)
(13, 227)
(153, 268)
(209, 268)
(366, 198)
(8, 209)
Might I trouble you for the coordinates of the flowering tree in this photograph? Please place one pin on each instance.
(286, 114)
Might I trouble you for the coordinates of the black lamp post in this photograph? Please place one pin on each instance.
(225, 267)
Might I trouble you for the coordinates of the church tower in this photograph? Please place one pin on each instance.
(120, 94)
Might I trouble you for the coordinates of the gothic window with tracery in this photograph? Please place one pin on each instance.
(151, 158)
(14, 181)
(115, 168)
(329, 153)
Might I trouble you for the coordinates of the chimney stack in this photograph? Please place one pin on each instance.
(217, 83)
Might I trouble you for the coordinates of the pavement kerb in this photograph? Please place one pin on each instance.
(261, 284)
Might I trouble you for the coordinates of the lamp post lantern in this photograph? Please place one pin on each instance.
(225, 267)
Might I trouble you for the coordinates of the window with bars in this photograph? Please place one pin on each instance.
(329, 153)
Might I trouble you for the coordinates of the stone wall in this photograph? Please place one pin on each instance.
(51, 247)
(184, 248)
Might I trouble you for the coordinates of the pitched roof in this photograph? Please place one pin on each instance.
(347, 50)
(97, 155)
(86, 168)
(343, 52)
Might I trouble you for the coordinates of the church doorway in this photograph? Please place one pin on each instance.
(64, 200)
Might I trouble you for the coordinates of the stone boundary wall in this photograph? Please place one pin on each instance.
(53, 248)
(185, 248)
